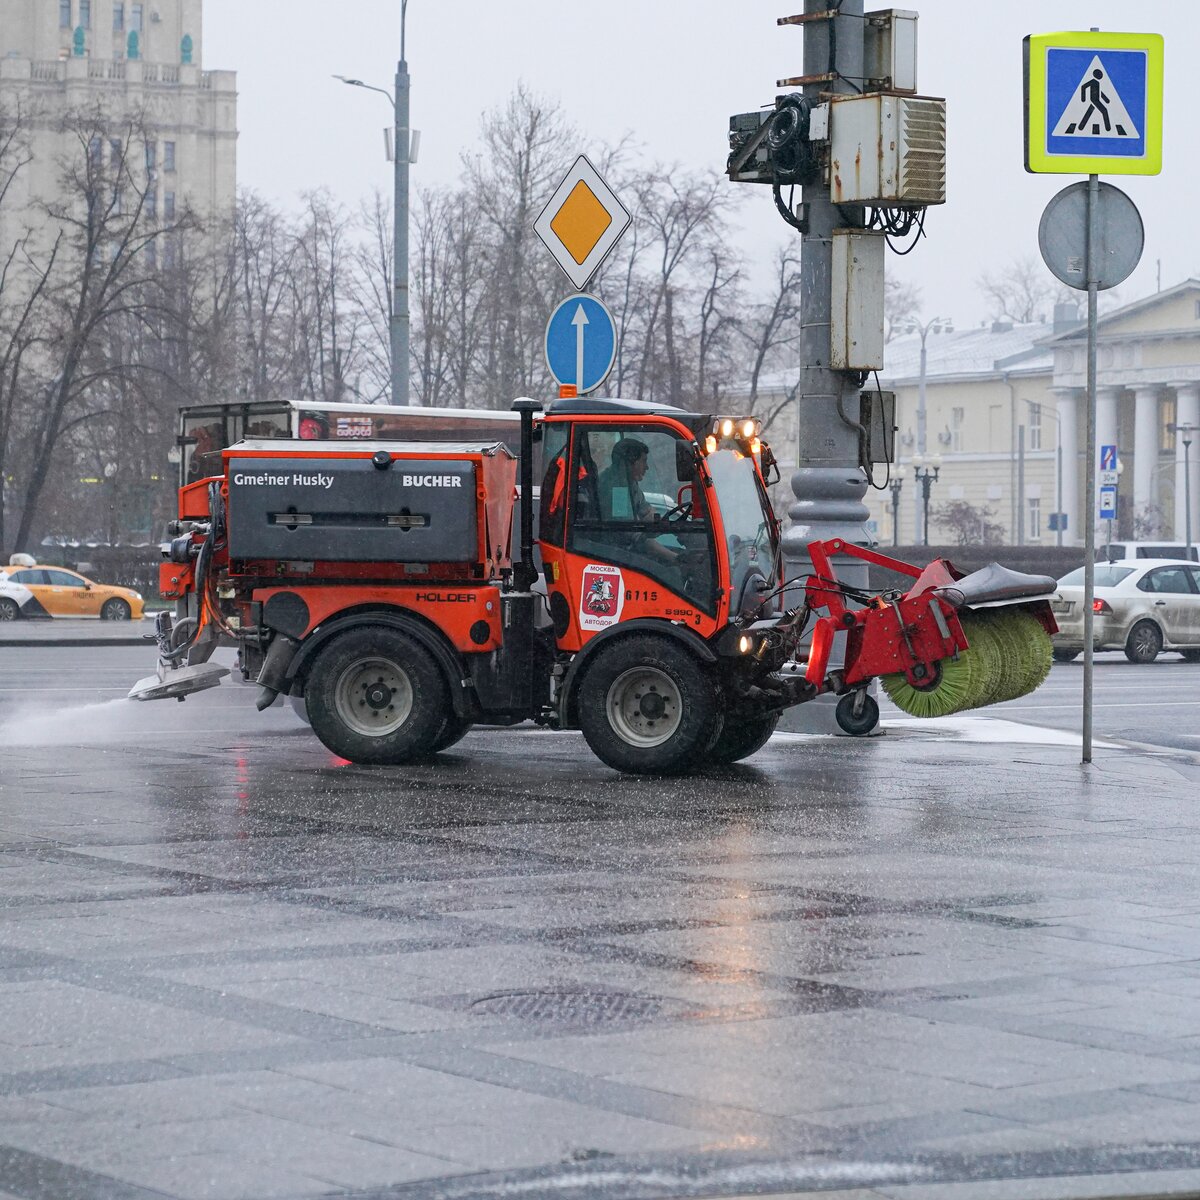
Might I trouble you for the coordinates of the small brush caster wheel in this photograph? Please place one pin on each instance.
(857, 713)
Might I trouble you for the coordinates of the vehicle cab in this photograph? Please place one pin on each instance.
(651, 512)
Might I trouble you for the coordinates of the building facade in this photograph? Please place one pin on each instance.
(132, 62)
(1005, 419)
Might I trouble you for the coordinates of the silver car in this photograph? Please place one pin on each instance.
(1142, 606)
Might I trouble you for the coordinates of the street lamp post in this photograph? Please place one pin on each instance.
(401, 156)
(926, 474)
(1185, 432)
(894, 487)
(934, 325)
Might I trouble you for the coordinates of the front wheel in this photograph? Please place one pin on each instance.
(857, 713)
(743, 739)
(1064, 656)
(375, 695)
(1144, 643)
(115, 610)
(647, 706)
(10, 610)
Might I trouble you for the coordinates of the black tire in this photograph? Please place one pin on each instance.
(1144, 643)
(1190, 655)
(10, 610)
(742, 740)
(115, 610)
(453, 732)
(647, 706)
(857, 724)
(1065, 655)
(375, 695)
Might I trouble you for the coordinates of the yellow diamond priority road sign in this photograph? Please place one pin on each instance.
(583, 221)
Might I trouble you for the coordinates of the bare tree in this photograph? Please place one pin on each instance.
(106, 210)
(969, 525)
(1022, 292)
(901, 306)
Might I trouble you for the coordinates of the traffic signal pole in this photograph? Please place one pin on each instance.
(828, 484)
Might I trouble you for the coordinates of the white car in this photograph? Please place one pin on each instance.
(1142, 606)
(13, 598)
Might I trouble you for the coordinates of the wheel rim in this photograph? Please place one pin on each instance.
(374, 697)
(644, 706)
(114, 610)
(8, 611)
(1145, 640)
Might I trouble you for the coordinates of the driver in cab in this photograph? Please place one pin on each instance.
(622, 498)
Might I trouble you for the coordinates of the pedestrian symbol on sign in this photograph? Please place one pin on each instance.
(1096, 109)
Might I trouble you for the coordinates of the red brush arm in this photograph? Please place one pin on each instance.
(907, 636)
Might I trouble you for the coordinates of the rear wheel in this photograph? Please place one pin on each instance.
(648, 707)
(1190, 655)
(1065, 655)
(115, 610)
(1144, 643)
(10, 610)
(743, 739)
(376, 696)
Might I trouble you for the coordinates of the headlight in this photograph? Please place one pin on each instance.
(745, 644)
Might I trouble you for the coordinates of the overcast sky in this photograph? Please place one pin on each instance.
(672, 72)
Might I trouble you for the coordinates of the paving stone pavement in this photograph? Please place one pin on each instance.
(231, 966)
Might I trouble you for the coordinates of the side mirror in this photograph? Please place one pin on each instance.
(685, 462)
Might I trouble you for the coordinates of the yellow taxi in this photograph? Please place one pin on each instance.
(57, 592)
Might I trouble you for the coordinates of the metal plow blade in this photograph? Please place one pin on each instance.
(177, 682)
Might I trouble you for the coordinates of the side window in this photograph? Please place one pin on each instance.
(1169, 580)
(629, 508)
(1194, 572)
(553, 515)
(63, 579)
(33, 577)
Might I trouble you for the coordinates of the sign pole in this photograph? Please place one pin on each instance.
(1089, 566)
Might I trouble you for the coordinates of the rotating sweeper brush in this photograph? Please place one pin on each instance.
(948, 644)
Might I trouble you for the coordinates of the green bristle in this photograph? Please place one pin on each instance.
(1008, 657)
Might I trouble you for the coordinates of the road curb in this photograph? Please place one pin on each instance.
(76, 641)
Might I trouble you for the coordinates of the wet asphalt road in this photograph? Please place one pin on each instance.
(232, 966)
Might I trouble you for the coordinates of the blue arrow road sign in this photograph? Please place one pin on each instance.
(1108, 458)
(581, 343)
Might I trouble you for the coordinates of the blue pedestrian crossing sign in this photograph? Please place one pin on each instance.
(581, 343)
(1093, 103)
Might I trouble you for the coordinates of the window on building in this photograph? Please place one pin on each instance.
(85, 14)
(168, 206)
(151, 155)
(1166, 418)
(135, 18)
(118, 18)
(152, 254)
(150, 208)
(64, 14)
(168, 156)
(1033, 524)
(96, 153)
(116, 152)
(1035, 427)
(957, 420)
(170, 254)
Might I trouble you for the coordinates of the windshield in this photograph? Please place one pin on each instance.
(747, 519)
(1106, 576)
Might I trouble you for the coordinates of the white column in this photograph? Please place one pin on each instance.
(1145, 446)
(1187, 412)
(1106, 418)
(1070, 401)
